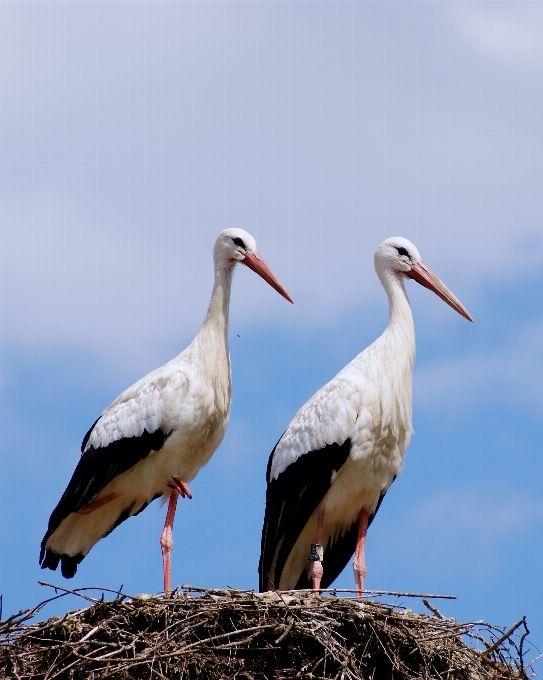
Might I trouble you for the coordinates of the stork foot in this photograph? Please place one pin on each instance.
(180, 486)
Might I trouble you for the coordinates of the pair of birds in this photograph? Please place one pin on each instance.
(327, 475)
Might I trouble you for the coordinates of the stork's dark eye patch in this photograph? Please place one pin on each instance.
(239, 242)
(402, 251)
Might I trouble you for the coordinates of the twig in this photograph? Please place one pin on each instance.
(78, 591)
(224, 635)
(374, 592)
(89, 634)
(279, 594)
(539, 656)
(214, 591)
(504, 637)
(67, 591)
(286, 631)
(432, 608)
(197, 589)
(521, 643)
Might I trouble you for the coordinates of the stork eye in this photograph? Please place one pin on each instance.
(239, 242)
(402, 251)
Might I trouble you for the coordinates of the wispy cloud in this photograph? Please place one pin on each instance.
(123, 158)
(510, 32)
(461, 531)
(486, 380)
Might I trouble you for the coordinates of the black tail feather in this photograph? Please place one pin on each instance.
(68, 564)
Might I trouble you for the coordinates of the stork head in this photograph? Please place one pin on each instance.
(399, 256)
(235, 246)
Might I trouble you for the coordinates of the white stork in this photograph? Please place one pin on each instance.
(158, 433)
(329, 472)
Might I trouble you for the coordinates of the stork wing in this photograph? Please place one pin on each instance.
(290, 502)
(135, 424)
(300, 469)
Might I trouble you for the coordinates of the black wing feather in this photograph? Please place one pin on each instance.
(291, 500)
(95, 470)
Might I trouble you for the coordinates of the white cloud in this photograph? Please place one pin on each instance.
(511, 32)
(123, 158)
(460, 531)
(505, 378)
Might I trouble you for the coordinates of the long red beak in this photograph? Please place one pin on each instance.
(257, 264)
(421, 274)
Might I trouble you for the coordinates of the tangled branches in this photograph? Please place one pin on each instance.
(238, 634)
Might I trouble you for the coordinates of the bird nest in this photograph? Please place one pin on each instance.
(212, 634)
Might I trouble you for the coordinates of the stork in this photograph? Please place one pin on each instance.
(331, 468)
(157, 434)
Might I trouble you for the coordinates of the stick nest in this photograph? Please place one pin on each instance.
(212, 634)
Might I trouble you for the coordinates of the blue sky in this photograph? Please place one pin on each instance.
(132, 133)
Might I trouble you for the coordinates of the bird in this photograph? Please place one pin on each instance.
(154, 438)
(332, 466)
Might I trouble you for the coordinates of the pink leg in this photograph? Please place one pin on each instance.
(359, 562)
(316, 555)
(166, 543)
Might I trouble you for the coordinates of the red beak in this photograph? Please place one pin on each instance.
(257, 264)
(428, 279)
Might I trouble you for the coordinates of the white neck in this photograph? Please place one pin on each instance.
(215, 326)
(209, 349)
(395, 353)
(401, 329)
